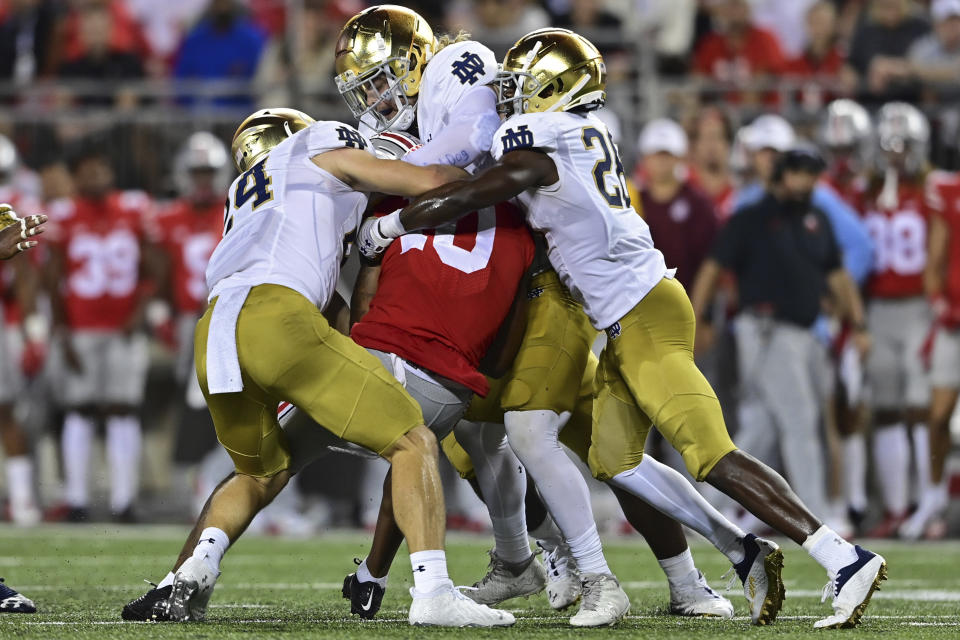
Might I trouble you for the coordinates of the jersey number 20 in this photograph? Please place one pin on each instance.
(619, 197)
(258, 189)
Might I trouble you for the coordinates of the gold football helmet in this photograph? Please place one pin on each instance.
(380, 56)
(551, 70)
(262, 131)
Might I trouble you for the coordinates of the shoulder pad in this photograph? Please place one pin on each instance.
(328, 135)
(524, 131)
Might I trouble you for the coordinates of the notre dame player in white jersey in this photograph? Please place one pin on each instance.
(560, 161)
(263, 339)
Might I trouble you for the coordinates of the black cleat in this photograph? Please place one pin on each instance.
(365, 597)
(13, 602)
(145, 608)
(78, 514)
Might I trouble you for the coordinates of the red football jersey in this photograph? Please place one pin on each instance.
(189, 235)
(899, 243)
(101, 244)
(442, 297)
(943, 199)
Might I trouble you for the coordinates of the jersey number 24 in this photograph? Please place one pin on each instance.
(619, 196)
(254, 183)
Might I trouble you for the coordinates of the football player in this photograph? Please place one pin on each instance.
(387, 69)
(302, 190)
(17, 298)
(557, 157)
(898, 313)
(942, 285)
(95, 277)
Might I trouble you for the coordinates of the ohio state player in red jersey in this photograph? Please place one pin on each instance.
(95, 276)
(431, 312)
(942, 283)
(188, 231)
(17, 291)
(896, 216)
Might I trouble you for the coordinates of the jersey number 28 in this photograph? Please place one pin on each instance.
(619, 196)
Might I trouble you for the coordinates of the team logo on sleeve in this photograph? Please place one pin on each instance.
(519, 138)
(468, 68)
(351, 138)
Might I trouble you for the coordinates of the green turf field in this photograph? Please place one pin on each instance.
(80, 577)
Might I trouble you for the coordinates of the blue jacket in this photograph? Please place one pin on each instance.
(851, 234)
(209, 54)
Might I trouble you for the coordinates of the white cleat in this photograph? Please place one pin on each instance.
(851, 590)
(695, 598)
(603, 603)
(759, 571)
(192, 588)
(25, 514)
(504, 581)
(933, 504)
(447, 607)
(563, 582)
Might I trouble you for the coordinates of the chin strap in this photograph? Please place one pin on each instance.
(568, 98)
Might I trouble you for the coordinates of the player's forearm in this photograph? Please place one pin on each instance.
(704, 287)
(364, 290)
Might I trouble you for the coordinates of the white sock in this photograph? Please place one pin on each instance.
(855, 471)
(76, 444)
(510, 538)
(124, 442)
(364, 575)
(503, 485)
(830, 550)
(670, 493)
(20, 480)
(429, 571)
(891, 459)
(547, 534)
(679, 568)
(212, 545)
(588, 552)
(533, 436)
(921, 457)
(167, 580)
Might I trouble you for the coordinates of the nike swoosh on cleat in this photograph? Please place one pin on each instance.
(366, 607)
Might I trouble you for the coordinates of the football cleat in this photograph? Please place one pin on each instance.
(192, 587)
(695, 598)
(759, 571)
(149, 607)
(563, 583)
(13, 602)
(446, 606)
(603, 601)
(851, 590)
(365, 597)
(504, 581)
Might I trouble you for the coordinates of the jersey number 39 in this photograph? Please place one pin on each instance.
(254, 183)
(617, 197)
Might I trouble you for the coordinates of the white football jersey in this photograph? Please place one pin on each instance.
(599, 245)
(452, 72)
(286, 218)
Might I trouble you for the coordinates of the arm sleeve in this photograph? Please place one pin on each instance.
(468, 134)
(849, 232)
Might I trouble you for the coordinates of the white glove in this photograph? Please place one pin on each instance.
(376, 234)
(14, 228)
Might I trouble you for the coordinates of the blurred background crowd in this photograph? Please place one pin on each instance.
(116, 117)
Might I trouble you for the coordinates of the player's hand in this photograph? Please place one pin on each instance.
(15, 232)
(370, 241)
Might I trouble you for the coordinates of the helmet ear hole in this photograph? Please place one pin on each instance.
(547, 92)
